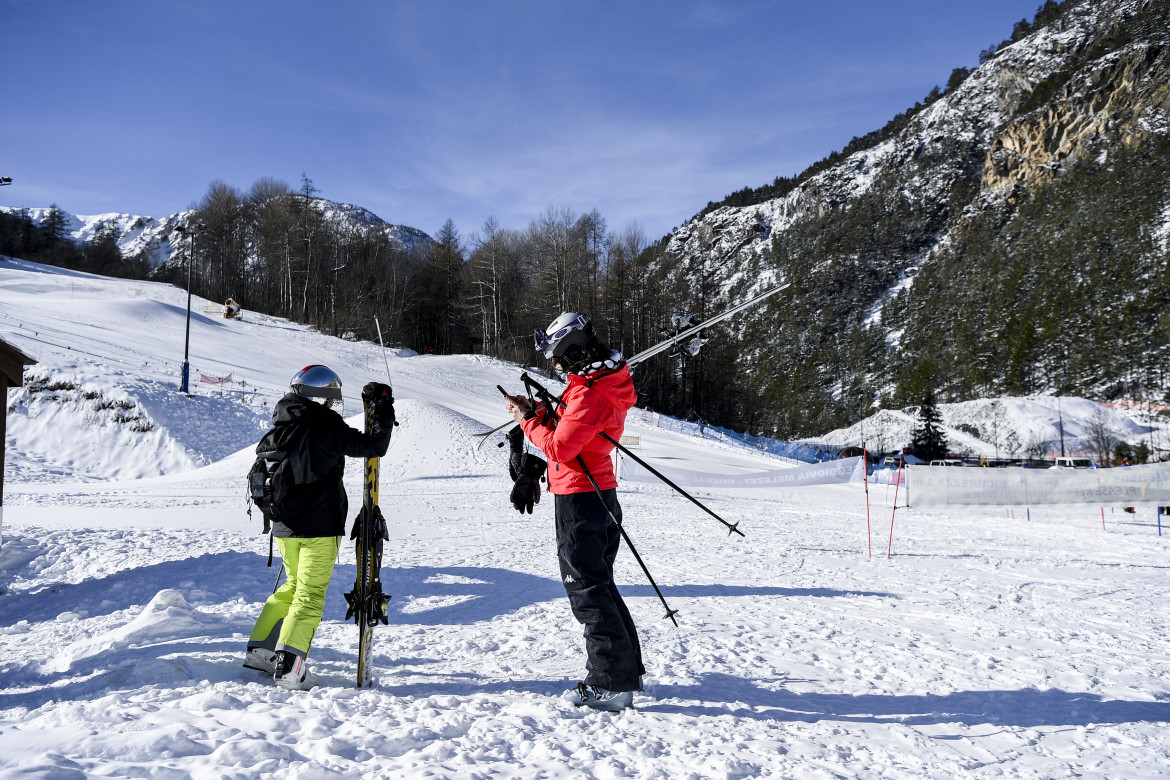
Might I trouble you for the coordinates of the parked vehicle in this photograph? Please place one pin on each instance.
(1074, 463)
(947, 462)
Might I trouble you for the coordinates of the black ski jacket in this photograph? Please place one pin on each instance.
(324, 505)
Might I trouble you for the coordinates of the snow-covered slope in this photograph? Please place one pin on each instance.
(986, 646)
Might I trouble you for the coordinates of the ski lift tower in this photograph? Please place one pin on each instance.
(12, 363)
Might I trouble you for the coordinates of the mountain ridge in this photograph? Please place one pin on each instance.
(153, 238)
(921, 263)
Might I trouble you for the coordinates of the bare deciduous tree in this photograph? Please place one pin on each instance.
(1101, 437)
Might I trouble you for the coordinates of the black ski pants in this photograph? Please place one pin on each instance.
(587, 544)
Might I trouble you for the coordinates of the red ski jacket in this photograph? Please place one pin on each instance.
(593, 403)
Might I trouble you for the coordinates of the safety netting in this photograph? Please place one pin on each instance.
(1022, 487)
(829, 472)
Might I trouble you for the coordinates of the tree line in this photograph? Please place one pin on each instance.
(47, 241)
(1063, 293)
(289, 253)
(285, 252)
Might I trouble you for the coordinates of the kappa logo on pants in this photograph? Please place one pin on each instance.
(569, 579)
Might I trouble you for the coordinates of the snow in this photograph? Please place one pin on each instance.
(874, 314)
(1162, 231)
(973, 642)
(1036, 426)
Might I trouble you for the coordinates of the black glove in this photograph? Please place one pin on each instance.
(381, 398)
(526, 491)
(515, 439)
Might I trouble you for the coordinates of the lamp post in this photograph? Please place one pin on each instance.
(185, 376)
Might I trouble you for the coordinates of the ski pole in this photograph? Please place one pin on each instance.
(278, 576)
(670, 613)
(389, 382)
(670, 341)
(550, 403)
(540, 389)
(383, 346)
(483, 437)
(732, 528)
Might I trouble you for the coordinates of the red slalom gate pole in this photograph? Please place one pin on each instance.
(1102, 518)
(897, 484)
(868, 530)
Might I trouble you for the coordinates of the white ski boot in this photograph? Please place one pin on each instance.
(292, 672)
(260, 659)
(599, 698)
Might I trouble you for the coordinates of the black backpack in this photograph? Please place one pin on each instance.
(281, 469)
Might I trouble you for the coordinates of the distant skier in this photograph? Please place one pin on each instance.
(309, 525)
(600, 391)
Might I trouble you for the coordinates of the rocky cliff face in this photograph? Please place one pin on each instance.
(1124, 95)
(988, 125)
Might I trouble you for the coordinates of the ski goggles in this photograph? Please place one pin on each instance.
(330, 393)
(544, 340)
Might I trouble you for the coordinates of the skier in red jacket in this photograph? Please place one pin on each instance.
(600, 391)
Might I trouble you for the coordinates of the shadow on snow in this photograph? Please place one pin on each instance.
(723, 695)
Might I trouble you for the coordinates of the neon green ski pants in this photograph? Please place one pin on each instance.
(292, 614)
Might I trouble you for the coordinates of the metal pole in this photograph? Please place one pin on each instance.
(1060, 416)
(670, 613)
(184, 387)
(732, 528)
(185, 374)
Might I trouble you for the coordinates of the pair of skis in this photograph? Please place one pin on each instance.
(367, 602)
(683, 334)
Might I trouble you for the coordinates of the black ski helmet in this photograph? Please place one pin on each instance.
(566, 338)
(321, 384)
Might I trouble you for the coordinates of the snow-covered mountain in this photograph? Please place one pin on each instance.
(976, 122)
(155, 239)
(1004, 237)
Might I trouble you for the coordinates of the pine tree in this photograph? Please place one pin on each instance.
(102, 254)
(53, 226)
(443, 330)
(928, 440)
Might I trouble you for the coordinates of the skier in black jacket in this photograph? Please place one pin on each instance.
(310, 534)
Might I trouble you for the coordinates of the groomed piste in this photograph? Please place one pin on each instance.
(989, 643)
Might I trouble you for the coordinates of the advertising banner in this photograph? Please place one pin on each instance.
(829, 472)
(1019, 486)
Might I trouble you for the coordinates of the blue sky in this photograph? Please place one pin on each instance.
(424, 111)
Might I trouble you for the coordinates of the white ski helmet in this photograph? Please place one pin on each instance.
(320, 384)
(565, 338)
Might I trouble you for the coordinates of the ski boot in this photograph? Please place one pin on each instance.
(261, 659)
(599, 698)
(292, 672)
